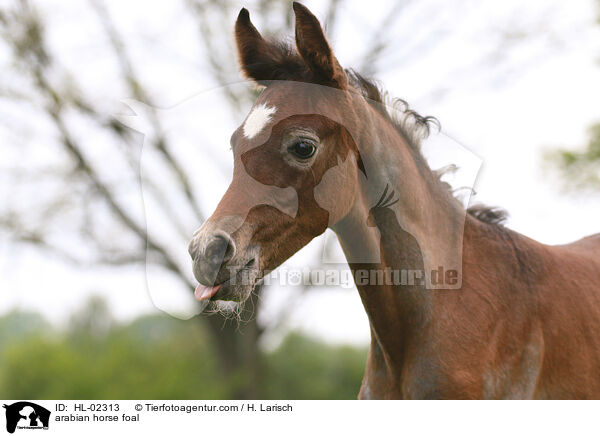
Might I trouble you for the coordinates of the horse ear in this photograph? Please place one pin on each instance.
(314, 49)
(256, 55)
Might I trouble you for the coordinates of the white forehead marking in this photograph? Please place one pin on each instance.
(258, 119)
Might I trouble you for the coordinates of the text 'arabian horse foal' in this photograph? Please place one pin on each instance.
(508, 318)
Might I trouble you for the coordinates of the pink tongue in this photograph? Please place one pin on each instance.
(205, 292)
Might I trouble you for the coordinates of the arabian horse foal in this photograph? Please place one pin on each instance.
(506, 317)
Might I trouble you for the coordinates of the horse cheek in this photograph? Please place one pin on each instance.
(335, 191)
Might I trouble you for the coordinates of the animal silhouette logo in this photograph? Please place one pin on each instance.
(26, 415)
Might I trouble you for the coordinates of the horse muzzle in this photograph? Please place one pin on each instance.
(223, 263)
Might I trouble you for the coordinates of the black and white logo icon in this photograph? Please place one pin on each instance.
(26, 415)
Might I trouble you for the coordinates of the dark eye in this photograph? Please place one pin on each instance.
(303, 148)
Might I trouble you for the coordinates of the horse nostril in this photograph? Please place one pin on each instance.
(219, 250)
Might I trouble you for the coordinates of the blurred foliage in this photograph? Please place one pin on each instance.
(157, 357)
(309, 369)
(579, 169)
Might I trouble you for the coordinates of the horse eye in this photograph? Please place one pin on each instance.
(303, 149)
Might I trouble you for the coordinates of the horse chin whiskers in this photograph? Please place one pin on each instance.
(230, 310)
(238, 312)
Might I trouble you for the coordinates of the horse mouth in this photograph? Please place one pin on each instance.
(237, 288)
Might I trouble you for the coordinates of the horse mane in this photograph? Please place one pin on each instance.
(488, 214)
(412, 126)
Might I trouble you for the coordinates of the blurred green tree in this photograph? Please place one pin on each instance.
(579, 169)
(159, 357)
(308, 369)
(16, 326)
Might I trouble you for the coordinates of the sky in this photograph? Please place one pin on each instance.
(507, 80)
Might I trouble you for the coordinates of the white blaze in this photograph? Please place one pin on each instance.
(258, 119)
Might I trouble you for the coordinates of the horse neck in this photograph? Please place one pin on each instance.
(422, 231)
